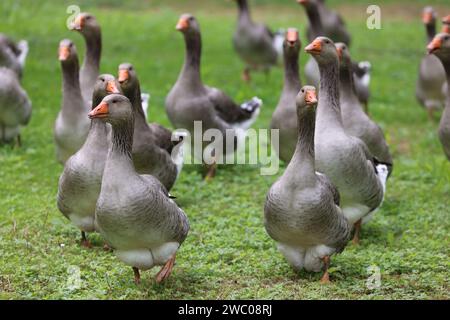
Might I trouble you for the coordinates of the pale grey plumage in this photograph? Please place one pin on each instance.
(356, 122)
(302, 207)
(343, 158)
(284, 117)
(134, 212)
(72, 124)
(13, 55)
(15, 106)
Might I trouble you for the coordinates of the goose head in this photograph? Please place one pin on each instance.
(85, 23)
(446, 24)
(114, 109)
(291, 44)
(344, 55)
(104, 85)
(127, 77)
(67, 52)
(323, 50)
(429, 16)
(306, 99)
(440, 46)
(187, 24)
(308, 3)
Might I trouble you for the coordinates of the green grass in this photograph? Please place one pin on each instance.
(227, 253)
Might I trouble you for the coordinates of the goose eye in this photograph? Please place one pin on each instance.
(303, 91)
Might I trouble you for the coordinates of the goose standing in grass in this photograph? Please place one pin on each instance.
(284, 117)
(134, 212)
(345, 159)
(87, 25)
(431, 73)
(72, 125)
(190, 100)
(356, 122)
(440, 47)
(79, 184)
(152, 144)
(333, 26)
(256, 44)
(302, 211)
(13, 55)
(15, 107)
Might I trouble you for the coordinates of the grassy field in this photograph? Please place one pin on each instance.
(227, 253)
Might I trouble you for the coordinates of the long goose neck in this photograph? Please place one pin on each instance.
(70, 85)
(291, 74)
(190, 75)
(431, 31)
(329, 111)
(312, 11)
(122, 139)
(302, 162)
(346, 79)
(93, 49)
(244, 12)
(97, 133)
(136, 101)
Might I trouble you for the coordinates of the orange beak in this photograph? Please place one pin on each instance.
(111, 87)
(339, 51)
(64, 53)
(446, 28)
(302, 2)
(182, 24)
(434, 45)
(100, 111)
(78, 24)
(314, 47)
(446, 20)
(427, 17)
(310, 97)
(292, 36)
(123, 75)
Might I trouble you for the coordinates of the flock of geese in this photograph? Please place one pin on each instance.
(119, 169)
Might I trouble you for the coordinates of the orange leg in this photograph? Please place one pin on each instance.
(84, 241)
(357, 232)
(211, 173)
(326, 275)
(137, 275)
(166, 270)
(246, 75)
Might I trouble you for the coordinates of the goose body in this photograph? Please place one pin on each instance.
(80, 182)
(13, 55)
(72, 125)
(440, 47)
(190, 100)
(152, 144)
(302, 212)
(432, 76)
(356, 122)
(15, 106)
(284, 117)
(257, 46)
(345, 159)
(134, 212)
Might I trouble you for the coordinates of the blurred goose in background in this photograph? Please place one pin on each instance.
(134, 212)
(302, 211)
(356, 122)
(333, 26)
(79, 184)
(87, 25)
(72, 125)
(15, 107)
(345, 159)
(440, 47)
(321, 23)
(429, 87)
(284, 117)
(256, 44)
(190, 100)
(152, 144)
(13, 55)
(446, 24)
